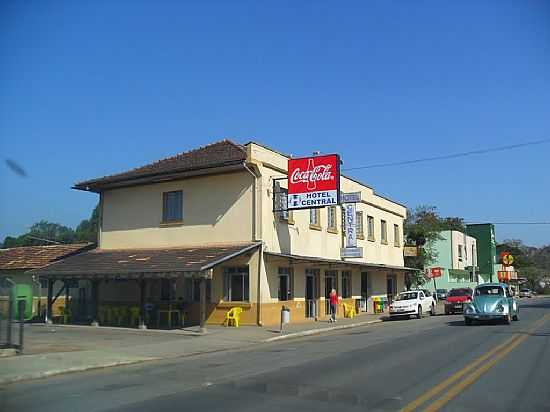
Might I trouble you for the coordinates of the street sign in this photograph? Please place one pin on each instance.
(350, 225)
(433, 273)
(507, 259)
(503, 275)
(351, 252)
(313, 182)
(352, 197)
(410, 251)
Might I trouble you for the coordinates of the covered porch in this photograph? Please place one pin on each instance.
(303, 283)
(145, 288)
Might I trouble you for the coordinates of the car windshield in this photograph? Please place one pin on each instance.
(407, 296)
(489, 290)
(525, 290)
(441, 290)
(460, 292)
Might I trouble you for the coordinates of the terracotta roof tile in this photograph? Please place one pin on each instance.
(32, 257)
(101, 262)
(218, 154)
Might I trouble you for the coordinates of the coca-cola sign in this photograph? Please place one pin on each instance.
(313, 182)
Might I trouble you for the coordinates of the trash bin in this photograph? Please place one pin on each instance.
(22, 292)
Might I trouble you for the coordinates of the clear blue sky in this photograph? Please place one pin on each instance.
(92, 88)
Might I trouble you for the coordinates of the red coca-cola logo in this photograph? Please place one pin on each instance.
(312, 174)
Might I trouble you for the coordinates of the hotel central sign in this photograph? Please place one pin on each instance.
(313, 182)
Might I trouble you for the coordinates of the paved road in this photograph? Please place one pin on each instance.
(435, 363)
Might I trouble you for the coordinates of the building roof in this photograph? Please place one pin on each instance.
(143, 262)
(321, 260)
(32, 257)
(219, 154)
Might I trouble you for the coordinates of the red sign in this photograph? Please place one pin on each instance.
(313, 182)
(435, 273)
(503, 275)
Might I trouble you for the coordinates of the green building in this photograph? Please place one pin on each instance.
(486, 249)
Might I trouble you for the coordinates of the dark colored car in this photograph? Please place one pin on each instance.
(456, 299)
(441, 294)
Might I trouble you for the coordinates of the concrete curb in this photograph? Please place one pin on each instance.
(46, 374)
(321, 330)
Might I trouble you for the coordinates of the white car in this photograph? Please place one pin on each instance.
(412, 302)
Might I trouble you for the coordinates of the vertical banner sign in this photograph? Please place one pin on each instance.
(313, 182)
(350, 225)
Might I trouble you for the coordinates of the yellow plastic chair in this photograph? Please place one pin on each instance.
(65, 315)
(134, 316)
(233, 317)
(349, 310)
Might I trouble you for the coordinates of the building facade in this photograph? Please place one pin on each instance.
(457, 257)
(202, 225)
(486, 249)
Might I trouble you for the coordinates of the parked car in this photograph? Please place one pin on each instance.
(456, 300)
(491, 301)
(441, 294)
(412, 302)
(525, 293)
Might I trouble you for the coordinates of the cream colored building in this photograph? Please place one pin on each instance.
(218, 200)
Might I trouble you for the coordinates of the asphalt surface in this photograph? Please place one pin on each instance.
(434, 362)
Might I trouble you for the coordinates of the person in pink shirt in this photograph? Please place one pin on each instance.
(333, 300)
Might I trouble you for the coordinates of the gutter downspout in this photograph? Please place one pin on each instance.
(255, 238)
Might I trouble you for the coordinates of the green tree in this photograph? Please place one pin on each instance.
(48, 233)
(87, 230)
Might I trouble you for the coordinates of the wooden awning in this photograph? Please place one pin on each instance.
(140, 263)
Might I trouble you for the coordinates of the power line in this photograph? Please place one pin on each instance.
(515, 223)
(452, 156)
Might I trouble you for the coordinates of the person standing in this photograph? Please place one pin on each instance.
(333, 300)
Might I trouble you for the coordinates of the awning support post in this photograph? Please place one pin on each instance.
(95, 302)
(203, 303)
(49, 303)
(67, 296)
(142, 285)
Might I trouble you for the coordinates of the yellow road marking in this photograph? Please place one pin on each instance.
(505, 347)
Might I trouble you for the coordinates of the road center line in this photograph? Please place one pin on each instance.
(504, 348)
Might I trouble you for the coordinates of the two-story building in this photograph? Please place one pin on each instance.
(456, 255)
(198, 232)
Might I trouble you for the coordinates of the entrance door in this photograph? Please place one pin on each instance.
(312, 292)
(391, 287)
(330, 283)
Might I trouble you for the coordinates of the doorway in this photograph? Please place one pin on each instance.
(330, 283)
(391, 288)
(312, 292)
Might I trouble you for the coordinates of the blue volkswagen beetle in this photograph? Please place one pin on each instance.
(492, 301)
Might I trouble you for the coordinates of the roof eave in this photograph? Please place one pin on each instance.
(91, 186)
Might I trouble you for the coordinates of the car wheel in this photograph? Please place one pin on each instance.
(419, 313)
(515, 318)
(432, 311)
(468, 321)
(507, 319)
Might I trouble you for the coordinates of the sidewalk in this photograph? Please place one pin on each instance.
(60, 349)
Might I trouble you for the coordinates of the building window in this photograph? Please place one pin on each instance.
(460, 253)
(236, 284)
(370, 228)
(285, 284)
(281, 204)
(346, 284)
(315, 218)
(331, 219)
(193, 290)
(384, 232)
(359, 225)
(172, 210)
(396, 236)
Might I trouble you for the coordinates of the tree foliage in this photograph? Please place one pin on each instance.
(530, 262)
(422, 229)
(48, 233)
